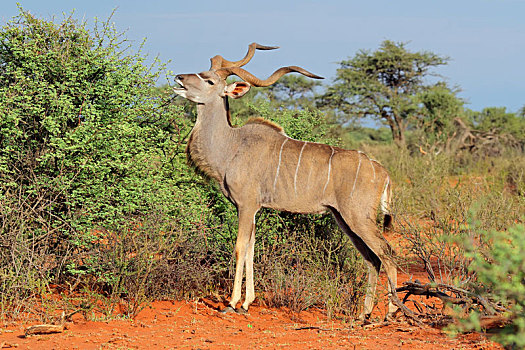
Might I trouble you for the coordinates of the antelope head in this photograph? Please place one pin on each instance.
(206, 86)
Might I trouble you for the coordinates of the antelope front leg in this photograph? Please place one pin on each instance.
(250, 288)
(242, 247)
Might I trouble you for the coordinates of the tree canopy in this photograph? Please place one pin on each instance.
(498, 119)
(294, 91)
(383, 85)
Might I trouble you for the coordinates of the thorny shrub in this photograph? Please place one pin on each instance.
(88, 149)
(500, 271)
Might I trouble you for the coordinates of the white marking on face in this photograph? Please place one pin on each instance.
(279, 164)
(199, 76)
(329, 169)
(356, 175)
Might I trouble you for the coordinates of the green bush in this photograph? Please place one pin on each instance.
(500, 271)
(89, 150)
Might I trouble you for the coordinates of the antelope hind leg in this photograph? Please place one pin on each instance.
(371, 259)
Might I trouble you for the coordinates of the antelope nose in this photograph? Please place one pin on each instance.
(179, 77)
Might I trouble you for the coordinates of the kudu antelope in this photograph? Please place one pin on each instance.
(257, 165)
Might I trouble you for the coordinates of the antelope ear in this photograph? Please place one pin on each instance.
(237, 89)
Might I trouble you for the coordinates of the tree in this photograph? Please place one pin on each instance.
(498, 120)
(382, 85)
(76, 115)
(521, 112)
(439, 106)
(293, 91)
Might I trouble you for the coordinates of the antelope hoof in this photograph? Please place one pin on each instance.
(241, 311)
(390, 317)
(227, 310)
(365, 318)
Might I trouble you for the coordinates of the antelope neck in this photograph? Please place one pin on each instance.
(211, 135)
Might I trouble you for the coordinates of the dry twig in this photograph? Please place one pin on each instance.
(492, 312)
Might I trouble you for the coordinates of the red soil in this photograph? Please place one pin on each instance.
(193, 325)
(197, 325)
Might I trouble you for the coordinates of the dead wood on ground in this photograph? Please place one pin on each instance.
(492, 314)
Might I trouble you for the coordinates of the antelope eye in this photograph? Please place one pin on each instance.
(210, 82)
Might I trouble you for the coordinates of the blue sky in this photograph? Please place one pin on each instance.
(485, 39)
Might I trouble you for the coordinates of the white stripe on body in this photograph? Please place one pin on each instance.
(279, 164)
(329, 169)
(373, 168)
(371, 163)
(356, 174)
(297, 168)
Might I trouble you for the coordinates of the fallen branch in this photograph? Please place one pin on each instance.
(436, 290)
(44, 329)
(429, 290)
(376, 325)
